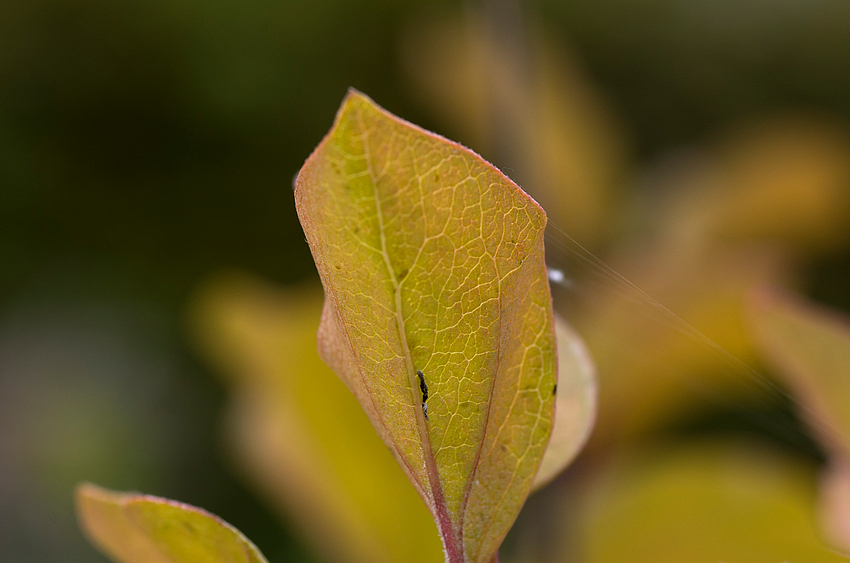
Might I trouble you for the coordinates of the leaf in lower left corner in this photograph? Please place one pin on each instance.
(135, 528)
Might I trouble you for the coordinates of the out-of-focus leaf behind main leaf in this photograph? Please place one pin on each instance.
(575, 409)
(834, 500)
(711, 501)
(810, 346)
(432, 260)
(298, 431)
(134, 528)
(649, 371)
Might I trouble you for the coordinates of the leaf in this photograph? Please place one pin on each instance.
(834, 500)
(300, 434)
(714, 501)
(784, 179)
(432, 260)
(134, 528)
(575, 406)
(652, 367)
(810, 346)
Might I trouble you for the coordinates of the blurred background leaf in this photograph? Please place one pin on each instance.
(302, 435)
(575, 404)
(731, 502)
(810, 346)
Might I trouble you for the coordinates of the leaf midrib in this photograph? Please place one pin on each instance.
(447, 529)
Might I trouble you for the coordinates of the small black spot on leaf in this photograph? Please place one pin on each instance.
(424, 389)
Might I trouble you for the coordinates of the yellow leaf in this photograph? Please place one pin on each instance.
(432, 263)
(810, 346)
(834, 500)
(134, 528)
(652, 366)
(782, 181)
(734, 503)
(575, 405)
(786, 179)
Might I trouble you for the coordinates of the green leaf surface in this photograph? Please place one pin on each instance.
(134, 528)
(432, 260)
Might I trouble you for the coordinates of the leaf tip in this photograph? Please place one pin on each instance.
(86, 495)
(353, 92)
(354, 97)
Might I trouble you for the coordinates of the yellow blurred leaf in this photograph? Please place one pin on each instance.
(652, 365)
(810, 346)
(134, 528)
(783, 181)
(300, 433)
(435, 286)
(787, 179)
(446, 62)
(834, 500)
(709, 502)
(575, 405)
(726, 224)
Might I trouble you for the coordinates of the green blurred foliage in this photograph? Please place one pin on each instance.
(145, 146)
